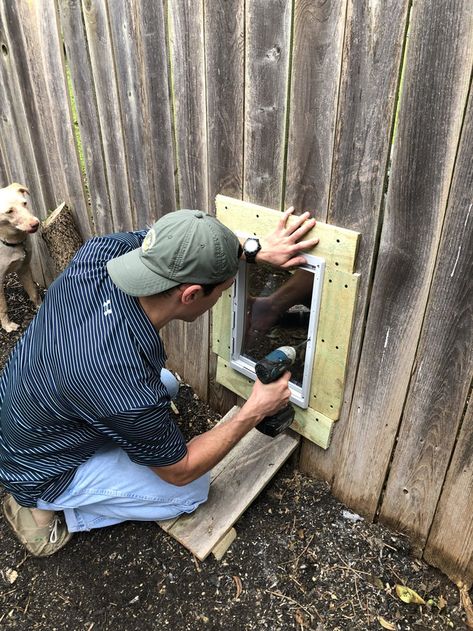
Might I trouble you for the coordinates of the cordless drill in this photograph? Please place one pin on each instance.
(269, 369)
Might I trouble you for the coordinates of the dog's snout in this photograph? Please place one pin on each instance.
(34, 225)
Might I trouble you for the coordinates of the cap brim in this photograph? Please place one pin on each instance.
(133, 277)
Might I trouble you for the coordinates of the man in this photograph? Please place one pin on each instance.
(85, 425)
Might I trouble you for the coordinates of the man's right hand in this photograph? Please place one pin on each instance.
(267, 399)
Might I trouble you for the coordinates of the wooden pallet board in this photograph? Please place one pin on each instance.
(235, 482)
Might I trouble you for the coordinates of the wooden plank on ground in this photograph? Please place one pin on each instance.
(450, 542)
(100, 49)
(222, 546)
(253, 462)
(310, 423)
(316, 67)
(438, 70)
(267, 51)
(338, 246)
(372, 53)
(444, 365)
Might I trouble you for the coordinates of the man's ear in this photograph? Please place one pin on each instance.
(189, 293)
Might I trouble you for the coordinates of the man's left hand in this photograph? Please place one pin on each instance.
(282, 248)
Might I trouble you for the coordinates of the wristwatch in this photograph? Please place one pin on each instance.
(251, 247)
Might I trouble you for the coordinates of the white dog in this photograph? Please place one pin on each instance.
(16, 222)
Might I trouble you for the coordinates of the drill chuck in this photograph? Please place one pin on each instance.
(275, 364)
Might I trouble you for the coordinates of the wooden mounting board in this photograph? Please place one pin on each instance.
(338, 247)
(235, 482)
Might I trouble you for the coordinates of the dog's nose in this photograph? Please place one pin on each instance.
(34, 226)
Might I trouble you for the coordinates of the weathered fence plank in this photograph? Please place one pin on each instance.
(45, 61)
(82, 81)
(141, 66)
(224, 57)
(316, 67)
(95, 16)
(371, 60)
(438, 68)
(444, 365)
(27, 161)
(450, 543)
(4, 171)
(268, 42)
(186, 42)
(186, 26)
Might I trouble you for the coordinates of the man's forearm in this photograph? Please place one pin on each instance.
(208, 449)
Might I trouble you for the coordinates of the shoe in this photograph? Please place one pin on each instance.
(40, 541)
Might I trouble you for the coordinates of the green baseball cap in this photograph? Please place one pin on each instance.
(185, 246)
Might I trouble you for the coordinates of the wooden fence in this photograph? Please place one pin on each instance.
(361, 111)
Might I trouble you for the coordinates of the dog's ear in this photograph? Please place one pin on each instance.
(20, 188)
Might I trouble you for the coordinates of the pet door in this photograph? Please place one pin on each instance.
(273, 307)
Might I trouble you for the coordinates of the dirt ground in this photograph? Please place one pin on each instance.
(301, 561)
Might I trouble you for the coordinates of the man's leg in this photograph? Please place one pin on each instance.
(110, 488)
(40, 529)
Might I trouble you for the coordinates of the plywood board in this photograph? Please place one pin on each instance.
(337, 306)
(333, 342)
(239, 479)
(311, 424)
(337, 246)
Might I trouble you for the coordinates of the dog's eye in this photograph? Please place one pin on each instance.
(9, 211)
(25, 204)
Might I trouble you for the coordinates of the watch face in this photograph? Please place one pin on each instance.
(251, 246)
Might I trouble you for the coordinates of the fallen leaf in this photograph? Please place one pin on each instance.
(299, 618)
(387, 625)
(376, 581)
(238, 585)
(11, 575)
(408, 595)
(441, 603)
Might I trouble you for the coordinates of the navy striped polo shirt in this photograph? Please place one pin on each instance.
(86, 372)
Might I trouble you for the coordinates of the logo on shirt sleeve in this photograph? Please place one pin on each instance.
(107, 307)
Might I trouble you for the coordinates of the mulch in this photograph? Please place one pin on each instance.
(301, 561)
